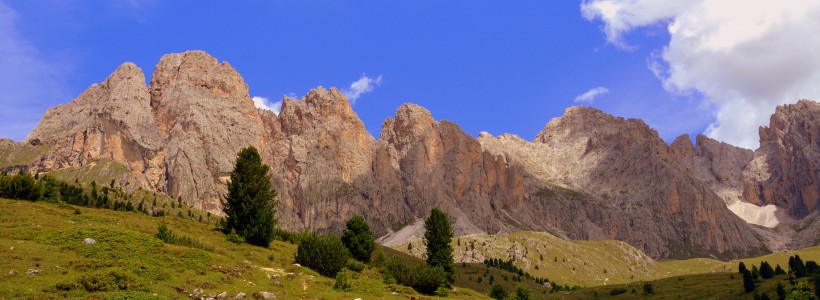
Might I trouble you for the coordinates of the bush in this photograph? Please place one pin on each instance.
(422, 278)
(235, 238)
(323, 254)
(354, 265)
(617, 291)
(110, 280)
(21, 186)
(342, 281)
(523, 294)
(166, 235)
(358, 238)
(498, 292)
(289, 236)
(647, 288)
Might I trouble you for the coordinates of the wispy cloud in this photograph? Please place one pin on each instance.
(590, 95)
(743, 57)
(362, 86)
(29, 82)
(264, 103)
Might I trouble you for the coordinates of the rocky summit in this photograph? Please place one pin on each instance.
(587, 175)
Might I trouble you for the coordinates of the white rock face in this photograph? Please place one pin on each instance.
(753, 214)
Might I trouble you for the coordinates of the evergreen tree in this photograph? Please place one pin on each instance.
(755, 272)
(796, 265)
(779, 271)
(766, 270)
(250, 206)
(811, 267)
(358, 238)
(748, 282)
(741, 267)
(438, 234)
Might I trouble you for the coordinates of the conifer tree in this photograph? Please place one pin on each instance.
(250, 204)
(358, 239)
(438, 235)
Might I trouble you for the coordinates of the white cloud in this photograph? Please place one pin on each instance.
(744, 57)
(29, 83)
(590, 95)
(362, 86)
(264, 103)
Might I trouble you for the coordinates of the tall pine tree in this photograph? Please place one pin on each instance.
(250, 204)
(438, 234)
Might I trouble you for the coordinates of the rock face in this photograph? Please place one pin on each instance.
(790, 154)
(776, 183)
(588, 175)
(650, 199)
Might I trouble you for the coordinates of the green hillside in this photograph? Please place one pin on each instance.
(589, 263)
(128, 262)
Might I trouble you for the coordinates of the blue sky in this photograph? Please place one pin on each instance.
(501, 67)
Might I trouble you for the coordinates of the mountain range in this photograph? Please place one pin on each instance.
(587, 175)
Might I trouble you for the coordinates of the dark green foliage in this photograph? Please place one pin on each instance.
(817, 286)
(522, 294)
(796, 265)
(250, 204)
(617, 291)
(289, 236)
(342, 281)
(764, 296)
(21, 186)
(647, 288)
(755, 272)
(811, 267)
(326, 255)
(235, 238)
(355, 265)
(748, 282)
(358, 238)
(781, 291)
(779, 271)
(438, 235)
(766, 271)
(423, 278)
(166, 235)
(498, 292)
(741, 268)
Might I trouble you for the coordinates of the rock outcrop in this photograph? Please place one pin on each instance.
(787, 165)
(588, 175)
(650, 199)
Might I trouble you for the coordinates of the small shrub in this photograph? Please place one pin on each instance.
(342, 281)
(166, 235)
(498, 292)
(648, 289)
(354, 265)
(111, 280)
(422, 278)
(324, 254)
(617, 291)
(235, 238)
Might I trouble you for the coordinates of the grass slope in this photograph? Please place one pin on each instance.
(127, 262)
(589, 263)
(700, 286)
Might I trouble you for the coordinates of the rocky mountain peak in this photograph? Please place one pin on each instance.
(412, 122)
(200, 72)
